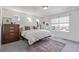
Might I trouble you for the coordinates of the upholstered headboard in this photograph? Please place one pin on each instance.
(27, 27)
(24, 28)
(34, 27)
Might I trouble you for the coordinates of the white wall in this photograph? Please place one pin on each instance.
(23, 17)
(74, 26)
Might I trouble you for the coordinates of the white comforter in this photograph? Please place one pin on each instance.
(35, 35)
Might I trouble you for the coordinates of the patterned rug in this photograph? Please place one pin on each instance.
(46, 45)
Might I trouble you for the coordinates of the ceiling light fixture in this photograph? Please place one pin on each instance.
(45, 7)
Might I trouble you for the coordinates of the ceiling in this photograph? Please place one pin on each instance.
(38, 11)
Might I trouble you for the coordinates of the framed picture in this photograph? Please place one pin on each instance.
(16, 19)
(6, 20)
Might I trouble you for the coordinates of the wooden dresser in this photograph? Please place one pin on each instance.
(10, 33)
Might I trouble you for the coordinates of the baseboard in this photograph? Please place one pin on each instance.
(66, 39)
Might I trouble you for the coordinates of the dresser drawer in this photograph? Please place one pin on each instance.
(12, 37)
(12, 34)
(12, 30)
(12, 27)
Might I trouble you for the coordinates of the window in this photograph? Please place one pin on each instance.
(16, 17)
(60, 24)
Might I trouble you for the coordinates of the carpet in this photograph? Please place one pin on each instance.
(46, 45)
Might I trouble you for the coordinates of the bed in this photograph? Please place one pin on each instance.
(35, 35)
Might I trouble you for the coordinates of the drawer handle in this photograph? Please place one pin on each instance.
(11, 30)
(11, 27)
(11, 33)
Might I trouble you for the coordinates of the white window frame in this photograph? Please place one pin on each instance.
(59, 22)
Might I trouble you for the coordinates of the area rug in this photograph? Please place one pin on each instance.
(46, 45)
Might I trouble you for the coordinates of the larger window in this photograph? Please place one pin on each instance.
(60, 24)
